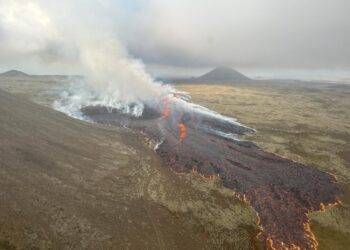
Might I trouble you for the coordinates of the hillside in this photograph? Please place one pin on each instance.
(67, 184)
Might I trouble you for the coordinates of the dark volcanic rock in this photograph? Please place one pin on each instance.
(282, 192)
(148, 113)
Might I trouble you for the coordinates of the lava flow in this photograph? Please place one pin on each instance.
(167, 110)
(281, 191)
(183, 130)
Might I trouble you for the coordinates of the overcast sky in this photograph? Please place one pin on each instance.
(183, 36)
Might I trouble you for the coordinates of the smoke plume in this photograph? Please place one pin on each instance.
(79, 36)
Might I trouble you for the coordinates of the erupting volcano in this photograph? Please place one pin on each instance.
(192, 138)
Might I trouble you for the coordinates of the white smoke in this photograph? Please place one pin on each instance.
(78, 35)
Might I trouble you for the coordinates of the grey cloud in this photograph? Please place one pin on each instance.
(271, 33)
(275, 34)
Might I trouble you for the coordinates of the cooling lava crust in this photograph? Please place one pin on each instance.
(282, 192)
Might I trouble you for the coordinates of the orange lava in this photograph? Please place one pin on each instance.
(183, 130)
(167, 101)
(276, 244)
(183, 135)
(166, 112)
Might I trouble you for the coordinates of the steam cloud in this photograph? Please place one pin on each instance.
(77, 34)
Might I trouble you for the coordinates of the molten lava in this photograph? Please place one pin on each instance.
(183, 130)
(167, 100)
(166, 112)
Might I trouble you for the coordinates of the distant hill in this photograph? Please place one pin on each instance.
(222, 75)
(217, 75)
(14, 73)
